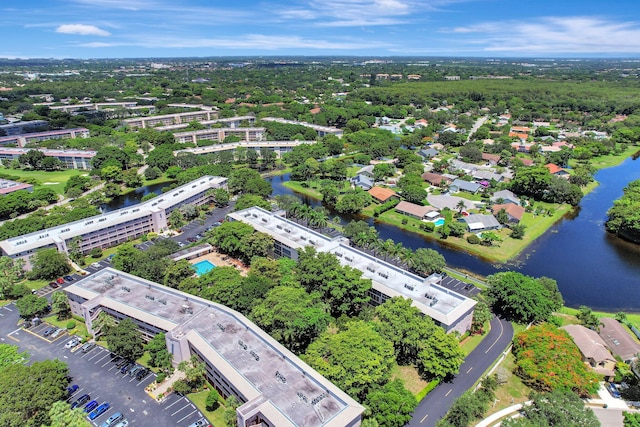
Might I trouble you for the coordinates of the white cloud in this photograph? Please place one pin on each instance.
(82, 29)
(567, 35)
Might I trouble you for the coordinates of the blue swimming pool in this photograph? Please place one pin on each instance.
(439, 222)
(203, 267)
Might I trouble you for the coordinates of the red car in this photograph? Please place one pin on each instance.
(60, 280)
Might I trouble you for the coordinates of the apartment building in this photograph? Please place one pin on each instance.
(112, 228)
(230, 122)
(72, 159)
(448, 309)
(275, 388)
(170, 119)
(322, 130)
(7, 186)
(219, 134)
(35, 137)
(278, 147)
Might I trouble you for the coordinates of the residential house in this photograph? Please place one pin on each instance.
(593, 349)
(486, 175)
(619, 341)
(522, 146)
(366, 171)
(436, 179)
(413, 210)
(362, 181)
(477, 222)
(491, 159)
(507, 196)
(461, 185)
(557, 170)
(428, 153)
(382, 194)
(514, 212)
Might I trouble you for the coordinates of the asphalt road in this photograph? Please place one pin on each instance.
(436, 404)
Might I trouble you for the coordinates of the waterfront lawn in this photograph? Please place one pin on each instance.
(55, 180)
(603, 162)
(633, 318)
(513, 391)
(312, 188)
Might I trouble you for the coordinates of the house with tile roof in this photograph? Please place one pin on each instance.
(619, 341)
(556, 170)
(514, 212)
(382, 194)
(492, 159)
(436, 179)
(507, 196)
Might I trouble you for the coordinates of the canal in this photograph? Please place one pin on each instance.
(591, 266)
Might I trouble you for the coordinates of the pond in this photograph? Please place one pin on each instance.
(133, 198)
(591, 266)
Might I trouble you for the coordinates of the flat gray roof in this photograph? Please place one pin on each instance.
(432, 299)
(259, 365)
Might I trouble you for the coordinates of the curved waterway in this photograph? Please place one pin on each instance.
(591, 266)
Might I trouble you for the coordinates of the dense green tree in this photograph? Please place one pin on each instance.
(521, 298)
(481, 315)
(48, 264)
(355, 359)
(60, 305)
(392, 404)
(222, 284)
(125, 340)
(426, 261)
(414, 193)
(220, 197)
(250, 200)
(161, 157)
(353, 201)
(228, 237)
(9, 355)
(624, 216)
(61, 415)
(245, 180)
(471, 406)
(29, 391)
(177, 272)
(631, 419)
(31, 306)
(557, 408)
(159, 357)
(587, 318)
(213, 400)
(11, 271)
(292, 316)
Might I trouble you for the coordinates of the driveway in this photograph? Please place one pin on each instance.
(436, 404)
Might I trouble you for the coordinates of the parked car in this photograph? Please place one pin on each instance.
(60, 280)
(27, 324)
(68, 278)
(132, 372)
(122, 363)
(126, 368)
(80, 401)
(142, 374)
(115, 358)
(36, 321)
(54, 285)
(202, 422)
(49, 331)
(91, 406)
(613, 390)
(72, 343)
(113, 420)
(99, 410)
(56, 333)
(87, 347)
(123, 423)
(72, 389)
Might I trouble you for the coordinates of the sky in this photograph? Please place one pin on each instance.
(201, 28)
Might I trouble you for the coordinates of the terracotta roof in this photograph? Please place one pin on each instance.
(413, 209)
(315, 110)
(513, 210)
(490, 157)
(382, 194)
(520, 129)
(527, 162)
(518, 135)
(553, 168)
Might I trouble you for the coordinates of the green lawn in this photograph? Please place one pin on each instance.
(471, 342)
(633, 318)
(216, 417)
(604, 162)
(54, 180)
(80, 329)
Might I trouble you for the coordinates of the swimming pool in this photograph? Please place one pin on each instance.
(439, 222)
(203, 267)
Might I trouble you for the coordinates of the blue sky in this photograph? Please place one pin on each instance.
(174, 28)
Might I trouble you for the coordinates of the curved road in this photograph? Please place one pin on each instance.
(436, 404)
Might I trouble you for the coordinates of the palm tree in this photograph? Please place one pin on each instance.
(461, 205)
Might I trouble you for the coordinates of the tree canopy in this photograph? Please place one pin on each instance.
(125, 340)
(557, 408)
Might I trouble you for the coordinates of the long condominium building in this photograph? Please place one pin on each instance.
(448, 309)
(24, 139)
(275, 388)
(278, 147)
(219, 134)
(170, 119)
(322, 130)
(230, 122)
(72, 159)
(112, 228)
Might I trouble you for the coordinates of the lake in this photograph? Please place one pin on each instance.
(591, 266)
(134, 197)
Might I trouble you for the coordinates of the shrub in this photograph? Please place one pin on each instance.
(473, 239)
(95, 253)
(71, 324)
(161, 376)
(404, 221)
(212, 401)
(428, 226)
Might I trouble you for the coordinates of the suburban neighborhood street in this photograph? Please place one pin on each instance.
(436, 404)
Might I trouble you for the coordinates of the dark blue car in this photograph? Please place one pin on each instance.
(72, 389)
(91, 406)
(80, 401)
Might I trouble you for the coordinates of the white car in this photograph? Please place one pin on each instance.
(72, 343)
(96, 265)
(56, 333)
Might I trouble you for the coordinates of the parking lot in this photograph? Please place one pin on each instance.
(96, 374)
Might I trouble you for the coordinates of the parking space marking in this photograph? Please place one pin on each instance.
(7, 308)
(183, 418)
(169, 406)
(98, 361)
(95, 354)
(184, 407)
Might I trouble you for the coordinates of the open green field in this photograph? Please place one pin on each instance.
(604, 162)
(55, 180)
(312, 190)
